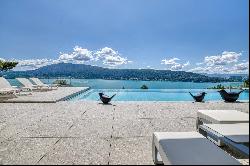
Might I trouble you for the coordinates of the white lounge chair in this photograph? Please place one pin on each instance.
(188, 148)
(41, 84)
(235, 135)
(6, 90)
(221, 117)
(6, 85)
(7, 94)
(27, 84)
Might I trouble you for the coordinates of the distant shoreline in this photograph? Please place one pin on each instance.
(68, 78)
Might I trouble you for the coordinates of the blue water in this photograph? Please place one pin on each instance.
(158, 90)
(129, 84)
(153, 95)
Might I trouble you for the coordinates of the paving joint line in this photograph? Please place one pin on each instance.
(48, 151)
(111, 137)
(41, 158)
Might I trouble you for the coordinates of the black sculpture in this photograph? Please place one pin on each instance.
(105, 99)
(198, 97)
(229, 96)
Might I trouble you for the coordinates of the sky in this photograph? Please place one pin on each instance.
(202, 36)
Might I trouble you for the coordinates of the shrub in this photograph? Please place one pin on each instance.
(60, 82)
(246, 83)
(144, 87)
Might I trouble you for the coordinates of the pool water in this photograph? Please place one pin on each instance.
(152, 95)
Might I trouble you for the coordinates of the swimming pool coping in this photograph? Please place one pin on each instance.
(67, 98)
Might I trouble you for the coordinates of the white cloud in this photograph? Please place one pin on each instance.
(106, 51)
(210, 69)
(199, 63)
(199, 70)
(110, 57)
(114, 61)
(170, 61)
(150, 67)
(237, 68)
(78, 55)
(241, 67)
(225, 58)
(32, 64)
(227, 62)
(186, 64)
(176, 67)
(173, 65)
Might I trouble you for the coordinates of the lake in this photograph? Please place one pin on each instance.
(131, 84)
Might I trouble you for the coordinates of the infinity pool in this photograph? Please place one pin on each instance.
(152, 95)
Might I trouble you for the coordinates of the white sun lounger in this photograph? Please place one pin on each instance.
(41, 84)
(4, 84)
(234, 135)
(221, 117)
(188, 148)
(7, 94)
(6, 90)
(27, 84)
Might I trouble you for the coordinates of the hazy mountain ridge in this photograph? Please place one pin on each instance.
(94, 72)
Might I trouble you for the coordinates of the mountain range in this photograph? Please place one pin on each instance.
(93, 72)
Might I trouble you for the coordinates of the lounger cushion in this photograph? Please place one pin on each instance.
(190, 148)
(238, 132)
(223, 116)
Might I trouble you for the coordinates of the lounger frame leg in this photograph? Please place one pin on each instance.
(209, 135)
(200, 121)
(155, 153)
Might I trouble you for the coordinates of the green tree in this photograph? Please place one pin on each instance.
(7, 65)
(246, 83)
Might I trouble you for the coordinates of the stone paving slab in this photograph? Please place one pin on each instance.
(131, 151)
(25, 151)
(49, 129)
(163, 125)
(132, 128)
(92, 128)
(45, 121)
(98, 111)
(73, 151)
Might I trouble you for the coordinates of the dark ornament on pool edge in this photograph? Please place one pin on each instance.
(198, 97)
(229, 96)
(105, 99)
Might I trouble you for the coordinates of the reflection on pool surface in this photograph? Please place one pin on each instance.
(153, 95)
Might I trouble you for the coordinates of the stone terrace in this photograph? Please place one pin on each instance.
(90, 132)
